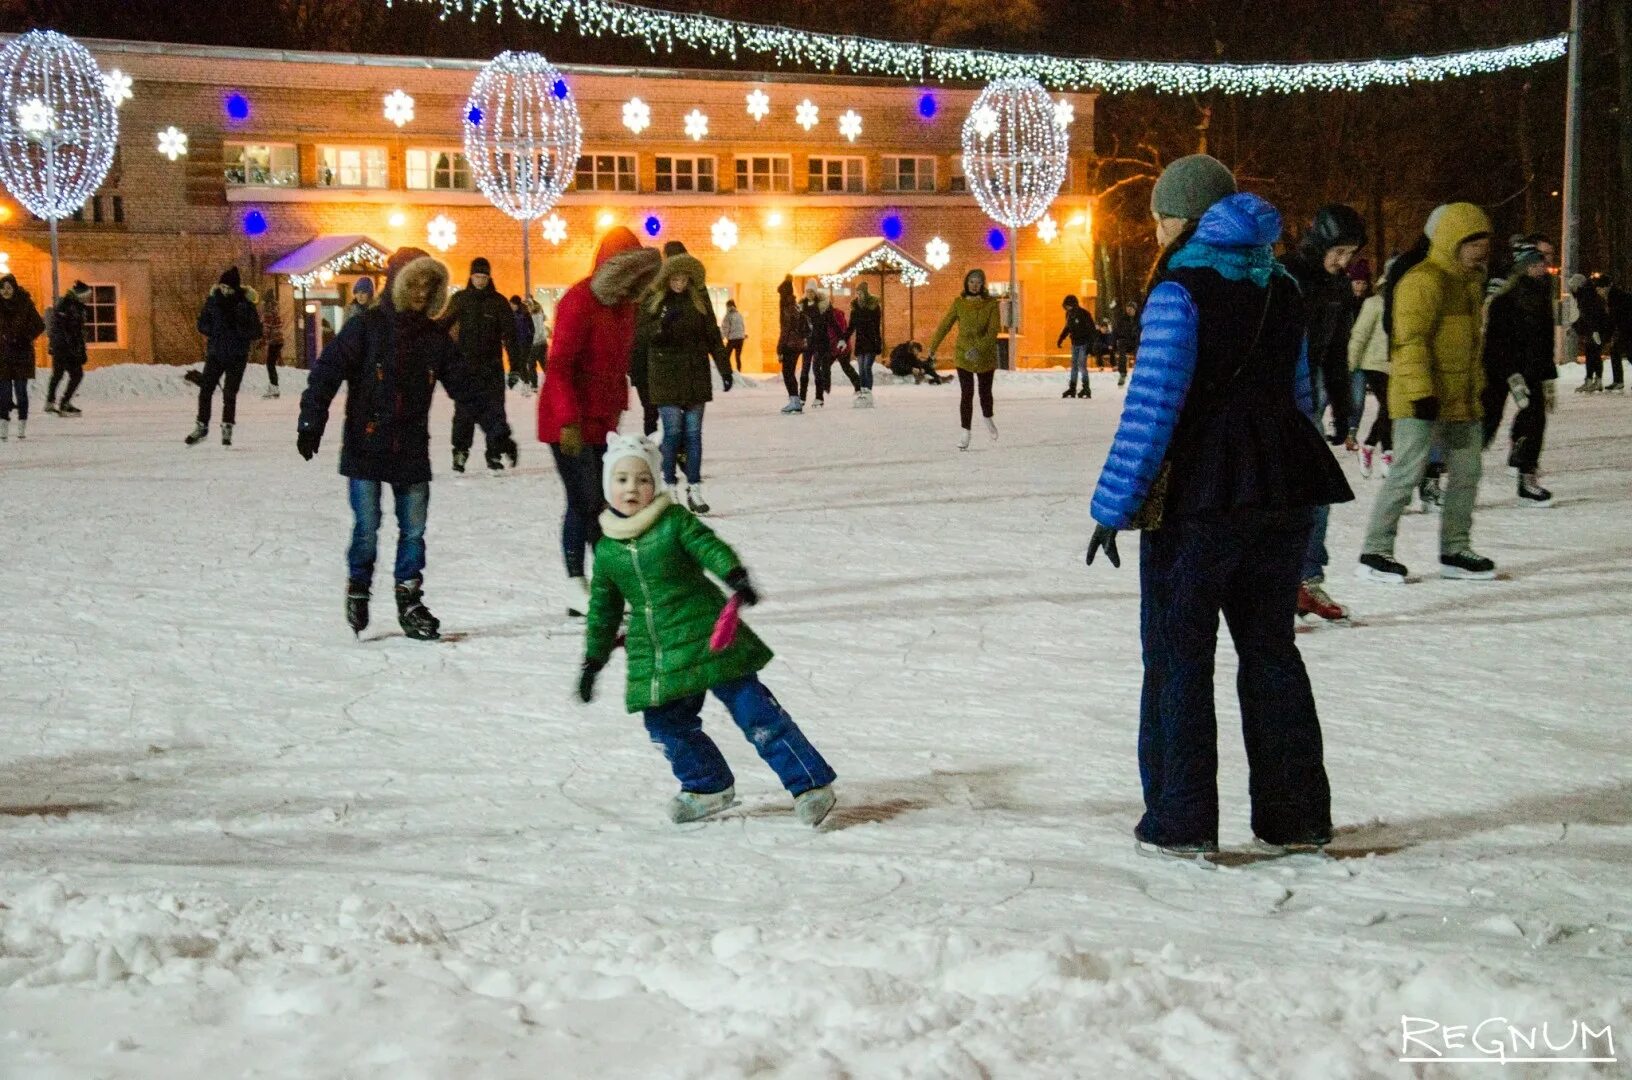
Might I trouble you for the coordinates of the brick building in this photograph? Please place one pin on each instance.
(287, 148)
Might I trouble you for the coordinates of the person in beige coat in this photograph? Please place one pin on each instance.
(1368, 361)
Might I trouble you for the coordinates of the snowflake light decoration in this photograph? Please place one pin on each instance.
(759, 105)
(117, 85)
(399, 107)
(696, 124)
(1014, 153)
(522, 134)
(637, 115)
(555, 229)
(807, 115)
(1048, 229)
(937, 254)
(850, 124)
(35, 117)
(58, 125)
(441, 232)
(725, 234)
(172, 142)
(1065, 113)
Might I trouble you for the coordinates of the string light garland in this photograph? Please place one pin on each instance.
(884, 259)
(522, 134)
(361, 256)
(1014, 152)
(663, 31)
(58, 124)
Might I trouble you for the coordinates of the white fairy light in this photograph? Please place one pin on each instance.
(1048, 229)
(522, 134)
(117, 85)
(555, 229)
(759, 105)
(696, 124)
(806, 115)
(1014, 154)
(172, 142)
(637, 115)
(399, 107)
(441, 232)
(663, 31)
(724, 233)
(361, 257)
(937, 253)
(1064, 112)
(883, 258)
(850, 124)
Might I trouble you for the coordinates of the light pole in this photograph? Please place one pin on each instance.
(1570, 257)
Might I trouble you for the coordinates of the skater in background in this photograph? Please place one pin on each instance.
(1618, 307)
(838, 347)
(1359, 277)
(792, 339)
(20, 326)
(907, 359)
(1435, 387)
(362, 298)
(655, 557)
(1218, 461)
(866, 333)
(541, 335)
(978, 318)
(1518, 358)
(65, 337)
(484, 327)
(1125, 338)
(1368, 360)
(1592, 329)
(735, 330)
(390, 361)
(586, 389)
(675, 340)
(272, 334)
(231, 324)
(522, 369)
(1079, 327)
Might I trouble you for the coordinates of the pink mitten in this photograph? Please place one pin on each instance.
(725, 630)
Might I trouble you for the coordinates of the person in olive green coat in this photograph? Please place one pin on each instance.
(978, 319)
(655, 557)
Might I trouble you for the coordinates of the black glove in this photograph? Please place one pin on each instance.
(727, 380)
(307, 443)
(1104, 538)
(738, 580)
(504, 447)
(586, 679)
(1426, 408)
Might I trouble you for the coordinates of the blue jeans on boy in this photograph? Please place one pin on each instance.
(686, 423)
(677, 727)
(1246, 567)
(413, 503)
(1079, 365)
(865, 363)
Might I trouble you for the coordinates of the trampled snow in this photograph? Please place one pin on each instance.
(237, 843)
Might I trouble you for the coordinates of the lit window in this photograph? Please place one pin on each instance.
(438, 170)
(262, 165)
(102, 322)
(351, 166)
(606, 172)
(959, 183)
(838, 174)
(909, 174)
(685, 174)
(764, 174)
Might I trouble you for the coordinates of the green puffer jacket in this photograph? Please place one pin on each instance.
(656, 562)
(978, 319)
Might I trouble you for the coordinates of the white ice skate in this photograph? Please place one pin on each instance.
(694, 499)
(694, 806)
(271, 394)
(811, 807)
(793, 407)
(991, 427)
(963, 440)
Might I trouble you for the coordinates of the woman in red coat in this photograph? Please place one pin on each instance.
(586, 388)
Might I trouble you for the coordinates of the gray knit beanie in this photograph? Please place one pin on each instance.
(1189, 186)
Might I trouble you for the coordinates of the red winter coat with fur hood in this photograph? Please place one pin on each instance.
(586, 381)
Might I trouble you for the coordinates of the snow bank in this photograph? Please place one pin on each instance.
(139, 382)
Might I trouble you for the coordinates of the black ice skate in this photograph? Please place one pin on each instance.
(412, 614)
(357, 606)
(459, 459)
(200, 433)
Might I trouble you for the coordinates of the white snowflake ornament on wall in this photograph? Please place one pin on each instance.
(725, 234)
(937, 254)
(555, 229)
(1064, 112)
(637, 115)
(696, 124)
(399, 107)
(1048, 229)
(172, 142)
(807, 115)
(759, 105)
(850, 124)
(441, 232)
(118, 87)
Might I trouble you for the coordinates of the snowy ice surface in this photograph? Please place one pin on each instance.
(234, 842)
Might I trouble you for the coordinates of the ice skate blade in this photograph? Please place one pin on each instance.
(1366, 573)
(1201, 859)
(1537, 504)
(1456, 573)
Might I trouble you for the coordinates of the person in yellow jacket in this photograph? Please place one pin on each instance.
(1436, 380)
(978, 319)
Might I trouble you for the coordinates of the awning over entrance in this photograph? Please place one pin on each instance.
(838, 262)
(332, 255)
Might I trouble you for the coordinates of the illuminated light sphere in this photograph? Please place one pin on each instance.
(724, 233)
(118, 87)
(997, 239)
(254, 223)
(441, 232)
(399, 107)
(1048, 229)
(54, 106)
(637, 115)
(522, 137)
(172, 142)
(807, 115)
(237, 106)
(928, 106)
(759, 105)
(1064, 112)
(937, 254)
(653, 225)
(397, 220)
(605, 220)
(850, 124)
(696, 124)
(774, 219)
(1014, 153)
(891, 227)
(555, 229)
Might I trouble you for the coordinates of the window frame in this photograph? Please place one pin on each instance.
(845, 161)
(228, 165)
(363, 150)
(617, 175)
(771, 160)
(891, 165)
(118, 324)
(958, 182)
(695, 179)
(455, 154)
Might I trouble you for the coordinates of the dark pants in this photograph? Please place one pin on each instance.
(413, 504)
(1529, 424)
(733, 352)
(75, 374)
(789, 359)
(1123, 354)
(1338, 394)
(677, 727)
(14, 390)
(967, 381)
(1617, 358)
(274, 356)
(230, 375)
(581, 524)
(464, 420)
(864, 366)
(1246, 567)
(809, 362)
(846, 366)
(1382, 428)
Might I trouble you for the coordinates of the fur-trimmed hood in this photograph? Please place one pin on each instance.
(421, 270)
(624, 276)
(224, 290)
(19, 294)
(689, 266)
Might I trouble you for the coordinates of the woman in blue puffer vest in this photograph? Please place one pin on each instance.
(1218, 460)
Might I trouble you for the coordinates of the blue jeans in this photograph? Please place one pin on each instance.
(581, 524)
(1079, 364)
(1357, 401)
(677, 727)
(1315, 556)
(865, 363)
(1246, 567)
(413, 503)
(678, 423)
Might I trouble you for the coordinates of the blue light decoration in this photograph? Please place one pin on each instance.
(892, 227)
(254, 223)
(928, 106)
(559, 88)
(996, 239)
(653, 225)
(237, 106)
(474, 116)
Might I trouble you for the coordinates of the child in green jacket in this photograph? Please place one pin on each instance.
(653, 555)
